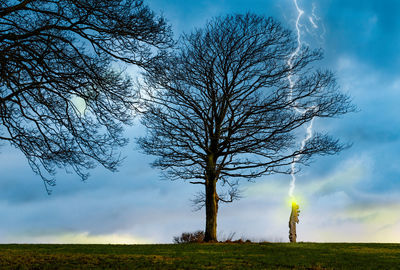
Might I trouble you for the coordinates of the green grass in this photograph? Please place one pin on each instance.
(202, 256)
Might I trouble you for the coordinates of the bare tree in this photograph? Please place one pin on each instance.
(55, 53)
(221, 109)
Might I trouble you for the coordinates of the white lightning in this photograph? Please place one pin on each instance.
(292, 83)
(312, 22)
(314, 16)
(317, 27)
(300, 12)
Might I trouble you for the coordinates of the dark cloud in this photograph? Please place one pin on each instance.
(368, 29)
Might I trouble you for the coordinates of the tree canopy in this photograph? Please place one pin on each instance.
(221, 107)
(63, 99)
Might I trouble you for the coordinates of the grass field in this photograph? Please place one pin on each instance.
(202, 256)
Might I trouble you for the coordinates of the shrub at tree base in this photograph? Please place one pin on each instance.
(190, 237)
(198, 237)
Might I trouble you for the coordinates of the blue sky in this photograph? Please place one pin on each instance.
(353, 196)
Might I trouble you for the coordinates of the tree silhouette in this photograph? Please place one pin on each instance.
(222, 109)
(62, 99)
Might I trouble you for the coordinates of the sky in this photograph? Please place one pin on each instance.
(350, 197)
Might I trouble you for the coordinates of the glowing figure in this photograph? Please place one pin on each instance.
(294, 219)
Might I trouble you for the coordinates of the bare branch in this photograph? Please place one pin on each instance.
(197, 183)
(46, 65)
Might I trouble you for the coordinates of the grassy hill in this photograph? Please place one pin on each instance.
(202, 256)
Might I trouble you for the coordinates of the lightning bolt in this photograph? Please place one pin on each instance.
(292, 82)
(317, 28)
(313, 17)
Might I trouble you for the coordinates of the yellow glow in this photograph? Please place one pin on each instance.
(293, 200)
(299, 200)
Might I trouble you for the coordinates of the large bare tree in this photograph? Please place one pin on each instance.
(62, 99)
(222, 108)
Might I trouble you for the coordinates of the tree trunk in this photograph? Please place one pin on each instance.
(211, 211)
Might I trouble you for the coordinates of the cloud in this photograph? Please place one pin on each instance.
(369, 223)
(337, 206)
(346, 176)
(77, 238)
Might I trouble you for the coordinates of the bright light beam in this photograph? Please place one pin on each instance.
(292, 82)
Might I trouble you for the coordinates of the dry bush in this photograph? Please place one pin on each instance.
(189, 237)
